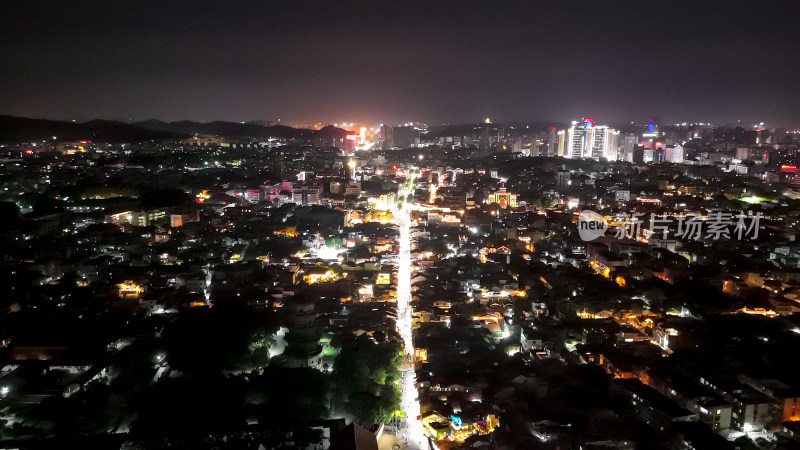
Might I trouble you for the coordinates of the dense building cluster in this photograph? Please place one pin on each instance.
(574, 286)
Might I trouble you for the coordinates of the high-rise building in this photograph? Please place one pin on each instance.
(576, 141)
(387, 137)
(405, 137)
(750, 154)
(647, 155)
(612, 150)
(599, 136)
(673, 153)
(562, 181)
(629, 142)
(277, 169)
(591, 141)
(552, 140)
(483, 138)
(638, 156)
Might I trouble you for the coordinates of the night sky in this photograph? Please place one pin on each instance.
(433, 61)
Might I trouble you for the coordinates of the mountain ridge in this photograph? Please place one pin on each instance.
(23, 129)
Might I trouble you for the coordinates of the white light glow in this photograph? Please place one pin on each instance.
(411, 431)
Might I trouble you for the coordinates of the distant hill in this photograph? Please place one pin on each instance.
(237, 129)
(21, 129)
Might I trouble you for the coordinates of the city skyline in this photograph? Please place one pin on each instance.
(353, 125)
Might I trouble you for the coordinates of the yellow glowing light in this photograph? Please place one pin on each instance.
(434, 188)
(325, 277)
(365, 291)
(129, 289)
(203, 196)
(290, 231)
(757, 311)
(384, 278)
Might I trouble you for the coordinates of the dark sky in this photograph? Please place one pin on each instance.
(376, 61)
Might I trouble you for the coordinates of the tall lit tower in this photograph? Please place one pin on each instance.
(576, 141)
(612, 150)
(561, 143)
(598, 139)
(588, 140)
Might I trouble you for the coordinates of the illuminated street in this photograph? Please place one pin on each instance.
(410, 432)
